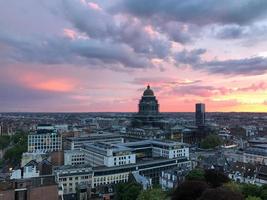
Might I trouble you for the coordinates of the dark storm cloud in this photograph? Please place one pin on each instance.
(199, 12)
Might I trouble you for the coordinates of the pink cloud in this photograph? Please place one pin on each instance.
(94, 6)
(69, 33)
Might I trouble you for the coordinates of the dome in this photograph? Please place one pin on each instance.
(148, 92)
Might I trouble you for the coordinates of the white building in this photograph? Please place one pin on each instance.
(61, 128)
(45, 139)
(68, 177)
(74, 157)
(105, 154)
(165, 149)
(30, 170)
(77, 142)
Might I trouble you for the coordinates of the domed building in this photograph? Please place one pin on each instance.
(148, 104)
(148, 112)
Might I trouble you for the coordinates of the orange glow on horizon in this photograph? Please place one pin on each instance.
(47, 83)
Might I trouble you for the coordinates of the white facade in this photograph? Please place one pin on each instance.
(46, 142)
(62, 128)
(68, 177)
(77, 142)
(110, 179)
(74, 157)
(170, 153)
(97, 155)
(28, 172)
(119, 160)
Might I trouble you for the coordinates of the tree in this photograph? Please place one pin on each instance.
(251, 190)
(221, 193)
(211, 141)
(127, 191)
(196, 175)
(233, 186)
(215, 178)
(152, 194)
(189, 190)
(13, 155)
(4, 141)
(253, 198)
(263, 193)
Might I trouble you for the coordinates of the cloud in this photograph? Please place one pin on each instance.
(163, 81)
(245, 66)
(58, 50)
(251, 34)
(99, 24)
(254, 87)
(189, 57)
(200, 12)
(232, 31)
(199, 90)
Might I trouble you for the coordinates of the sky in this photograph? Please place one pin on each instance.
(99, 55)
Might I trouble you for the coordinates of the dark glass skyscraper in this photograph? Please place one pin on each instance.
(200, 114)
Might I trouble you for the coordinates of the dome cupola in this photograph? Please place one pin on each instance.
(148, 92)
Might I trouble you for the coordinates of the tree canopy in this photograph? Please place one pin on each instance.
(211, 141)
(127, 191)
(189, 190)
(152, 194)
(196, 175)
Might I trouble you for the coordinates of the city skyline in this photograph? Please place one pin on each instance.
(99, 56)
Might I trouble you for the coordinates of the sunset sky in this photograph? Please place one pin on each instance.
(90, 56)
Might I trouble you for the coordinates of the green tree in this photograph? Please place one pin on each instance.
(196, 175)
(4, 141)
(251, 190)
(215, 178)
(253, 198)
(220, 193)
(263, 194)
(233, 186)
(211, 141)
(13, 155)
(127, 191)
(152, 194)
(189, 190)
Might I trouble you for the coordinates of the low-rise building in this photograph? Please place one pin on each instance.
(243, 172)
(41, 188)
(256, 154)
(68, 177)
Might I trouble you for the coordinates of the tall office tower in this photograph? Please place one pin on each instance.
(200, 114)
